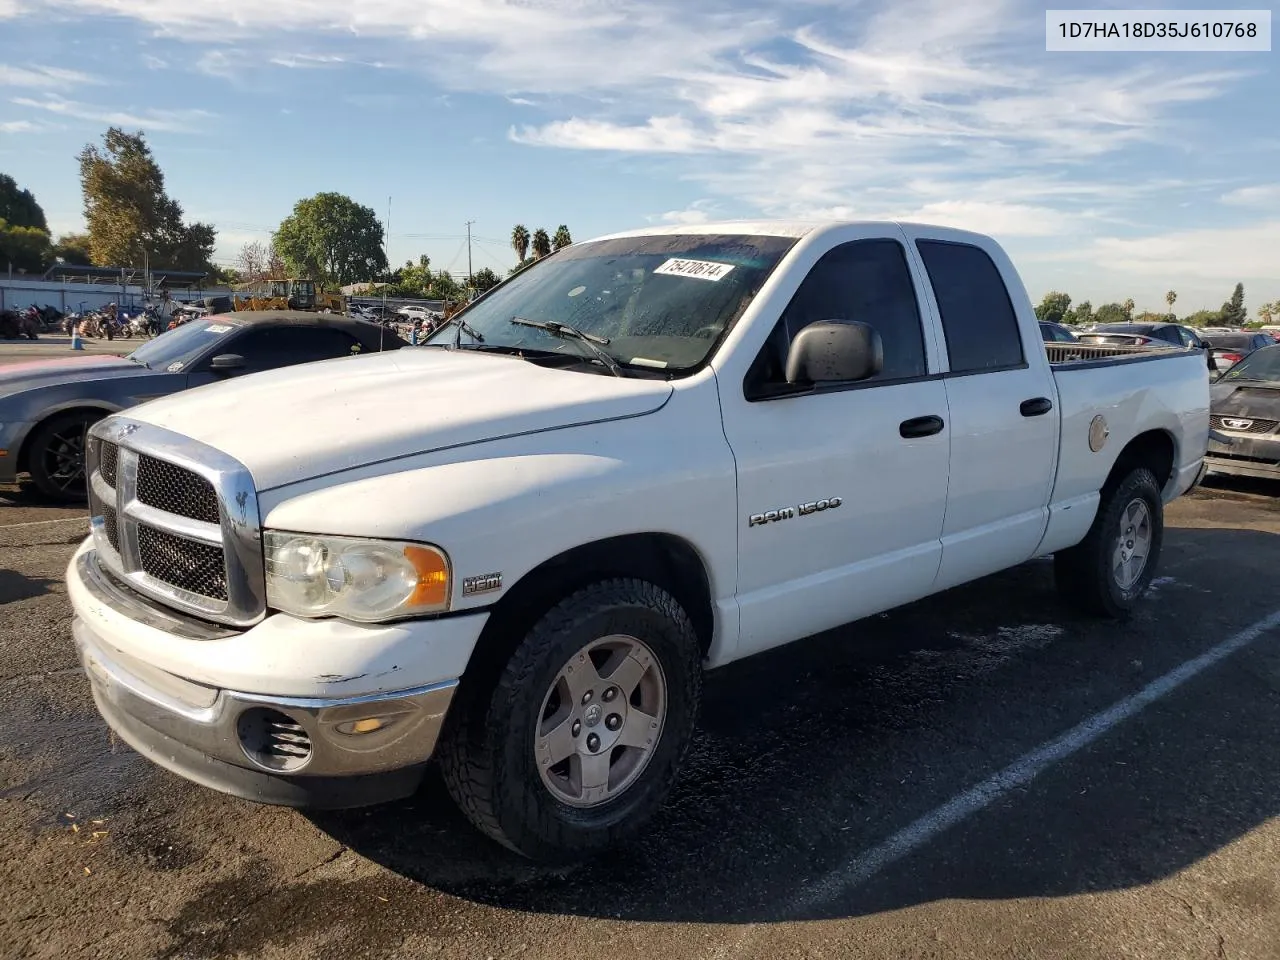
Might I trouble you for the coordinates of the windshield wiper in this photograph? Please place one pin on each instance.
(460, 327)
(566, 332)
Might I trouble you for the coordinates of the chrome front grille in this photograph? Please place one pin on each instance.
(176, 520)
(195, 567)
(1242, 424)
(110, 459)
(175, 490)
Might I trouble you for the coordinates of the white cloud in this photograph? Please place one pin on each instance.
(43, 78)
(17, 126)
(700, 211)
(1263, 195)
(1244, 253)
(657, 135)
(171, 120)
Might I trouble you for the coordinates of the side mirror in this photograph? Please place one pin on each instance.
(226, 362)
(1208, 344)
(835, 350)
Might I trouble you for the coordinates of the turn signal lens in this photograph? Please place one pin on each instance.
(433, 576)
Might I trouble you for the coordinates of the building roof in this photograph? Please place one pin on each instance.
(130, 275)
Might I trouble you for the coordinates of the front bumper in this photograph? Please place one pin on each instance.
(319, 751)
(11, 437)
(214, 737)
(1245, 457)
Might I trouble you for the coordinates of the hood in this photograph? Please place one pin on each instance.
(29, 374)
(1248, 400)
(301, 422)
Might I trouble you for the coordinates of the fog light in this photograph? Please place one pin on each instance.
(367, 725)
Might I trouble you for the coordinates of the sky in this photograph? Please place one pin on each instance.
(1107, 175)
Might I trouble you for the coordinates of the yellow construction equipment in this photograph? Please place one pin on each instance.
(292, 294)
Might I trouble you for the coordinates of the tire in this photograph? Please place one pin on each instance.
(490, 756)
(1088, 575)
(51, 443)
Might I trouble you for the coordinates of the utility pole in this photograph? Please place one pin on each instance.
(469, 223)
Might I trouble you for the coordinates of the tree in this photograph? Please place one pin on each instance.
(332, 239)
(1083, 313)
(1169, 298)
(226, 276)
(520, 242)
(1053, 308)
(18, 207)
(1204, 318)
(130, 216)
(73, 248)
(1128, 310)
(1111, 313)
(25, 249)
(562, 238)
(251, 261)
(444, 287)
(541, 243)
(1233, 311)
(1269, 311)
(484, 279)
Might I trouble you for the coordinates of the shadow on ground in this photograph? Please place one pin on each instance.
(812, 754)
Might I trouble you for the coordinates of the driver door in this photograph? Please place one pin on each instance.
(842, 488)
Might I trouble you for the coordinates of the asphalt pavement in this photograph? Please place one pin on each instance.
(983, 774)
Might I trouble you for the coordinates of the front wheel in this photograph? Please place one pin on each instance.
(578, 743)
(1108, 572)
(56, 460)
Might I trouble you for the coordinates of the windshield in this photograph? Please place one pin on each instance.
(1234, 341)
(661, 301)
(178, 348)
(1262, 364)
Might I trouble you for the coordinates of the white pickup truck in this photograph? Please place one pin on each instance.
(517, 548)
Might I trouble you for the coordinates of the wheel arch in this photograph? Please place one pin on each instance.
(1154, 449)
(666, 560)
(74, 406)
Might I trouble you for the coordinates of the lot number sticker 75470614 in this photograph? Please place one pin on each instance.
(701, 269)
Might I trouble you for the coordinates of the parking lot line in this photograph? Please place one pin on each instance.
(1017, 774)
(38, 523)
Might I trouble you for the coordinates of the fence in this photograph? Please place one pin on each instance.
(67, 297)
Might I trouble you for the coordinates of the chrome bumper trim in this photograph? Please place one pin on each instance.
(139, 608)
(207, 720)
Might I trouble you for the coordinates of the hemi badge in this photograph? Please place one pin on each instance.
(482, 584)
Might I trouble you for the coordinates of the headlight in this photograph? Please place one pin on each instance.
(363, 580)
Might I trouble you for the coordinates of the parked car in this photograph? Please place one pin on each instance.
(1150, 334)
(418, 313)
(46, 405)
(1057, 333)
(1231, 348)
(750, 434)
(1245, 413)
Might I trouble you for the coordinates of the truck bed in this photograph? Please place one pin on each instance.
(1098, 354)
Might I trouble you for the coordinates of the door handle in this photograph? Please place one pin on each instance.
(920, 427)
(1035, 407)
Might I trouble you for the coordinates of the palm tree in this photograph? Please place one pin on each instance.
(541, 243)
(562, 238)
(520, 241)
(1128, 309)
(1169, 298)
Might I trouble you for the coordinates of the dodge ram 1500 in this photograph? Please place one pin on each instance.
(641, 458)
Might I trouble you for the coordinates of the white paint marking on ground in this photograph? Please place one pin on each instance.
(37, 523)
(1019, 773)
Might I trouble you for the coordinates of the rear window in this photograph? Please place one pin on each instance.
(1236, 341)
(977, 315)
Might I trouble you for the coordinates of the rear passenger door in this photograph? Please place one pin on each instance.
(1004, 428)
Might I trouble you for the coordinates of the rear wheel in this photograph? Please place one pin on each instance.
(578, 742)
(56, 455)
(1108, 572)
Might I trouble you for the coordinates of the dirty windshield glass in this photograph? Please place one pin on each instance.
(662, 302)
(179, 347)
(1262, 365)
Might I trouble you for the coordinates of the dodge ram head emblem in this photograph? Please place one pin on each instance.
(1233, 424)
